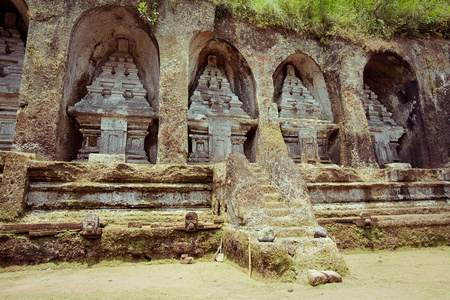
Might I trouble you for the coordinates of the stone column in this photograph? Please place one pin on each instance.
(42, 86)
(14, 186)
(356, 142)
(177, 25)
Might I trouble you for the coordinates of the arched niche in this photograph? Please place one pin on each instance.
(233, 65)
(94, 38)
(305, 114)
(392, 82)
(13, 36)
(312, 78)
(20, 9)
(228, 125)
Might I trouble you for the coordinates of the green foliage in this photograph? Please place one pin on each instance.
(150, 17)
(346, 18)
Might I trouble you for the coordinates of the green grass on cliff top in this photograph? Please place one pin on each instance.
(350, 19)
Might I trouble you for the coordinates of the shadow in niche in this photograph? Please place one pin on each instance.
(394, 83)
(93, 40)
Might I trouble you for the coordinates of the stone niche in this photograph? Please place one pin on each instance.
(391, 100)
(12, 52)
(114, 116)
(217, 123)
(305, 130)
(385, 132)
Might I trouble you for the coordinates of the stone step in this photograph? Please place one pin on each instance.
(285, 221)
(285, 232)
(324, 210)
(264, 181)
(274, 204)
(118, 216)
(81, 195)
(277, 212)
(271, 197)
(313, 174)
(440, 219)
(378, 191)
(268, 188)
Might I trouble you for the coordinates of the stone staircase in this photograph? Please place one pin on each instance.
(279, 214)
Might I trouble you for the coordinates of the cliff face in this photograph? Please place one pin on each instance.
(68, 42)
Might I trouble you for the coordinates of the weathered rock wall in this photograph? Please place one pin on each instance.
(55, 77)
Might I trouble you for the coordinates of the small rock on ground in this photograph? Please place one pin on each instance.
(315, 277)
(332, 276)
(266, 235)
(320, 232)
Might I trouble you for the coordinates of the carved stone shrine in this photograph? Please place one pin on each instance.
(217, 123)
(114, 116)
(385, 132)
(12, 52)
(305, 132)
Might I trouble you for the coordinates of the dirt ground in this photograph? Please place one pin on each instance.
(401, 274)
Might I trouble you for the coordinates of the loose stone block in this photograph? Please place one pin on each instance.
(332, 276)
(186, 259)
(315, 277)
(266, 235)
(320, 232)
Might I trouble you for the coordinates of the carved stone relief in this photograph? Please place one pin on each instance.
(217, 123)
(385, 132)
(114, 116)
(305, 132)
(12, 52)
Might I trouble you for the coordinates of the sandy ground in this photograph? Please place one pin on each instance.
(401, 274)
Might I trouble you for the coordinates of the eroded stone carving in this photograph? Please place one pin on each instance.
(385, 132)
(304, 130)
(217, 123)
(12, 51)
(114, 116)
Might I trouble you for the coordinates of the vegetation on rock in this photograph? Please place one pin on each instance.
(349, 19)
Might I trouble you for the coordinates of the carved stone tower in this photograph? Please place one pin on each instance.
(304, 131)
(217, 123)
(114, 116)
(385, 132)
(12, 52)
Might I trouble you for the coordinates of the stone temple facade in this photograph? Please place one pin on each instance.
(102, 93)
(12, 51)
(305, 132)
(114, 116)
(217, 123)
